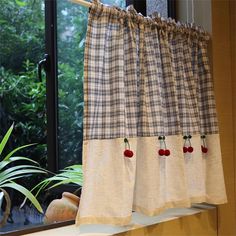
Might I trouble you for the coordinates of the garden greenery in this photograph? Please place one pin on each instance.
(13, 168)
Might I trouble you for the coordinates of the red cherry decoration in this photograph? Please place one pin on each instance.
(190, 149)
(185, 149)
(204, 149)
(167, 152)
(161, 152)
(128, 153)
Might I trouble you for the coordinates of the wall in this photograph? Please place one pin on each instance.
(223, 59)
(233, 71)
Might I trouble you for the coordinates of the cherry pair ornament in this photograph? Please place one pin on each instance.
(187, 144)
(163, 151)
(188, 147)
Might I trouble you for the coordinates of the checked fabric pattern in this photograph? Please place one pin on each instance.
(143, 81)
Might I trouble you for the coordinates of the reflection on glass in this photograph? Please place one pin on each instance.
(72, 25)
(159, 6)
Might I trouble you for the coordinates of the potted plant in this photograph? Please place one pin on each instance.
(11, 171)
(65, 208)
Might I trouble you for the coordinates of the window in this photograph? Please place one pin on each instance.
(47, 111)
(71, 31)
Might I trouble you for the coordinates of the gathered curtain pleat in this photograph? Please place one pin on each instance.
(148, 90)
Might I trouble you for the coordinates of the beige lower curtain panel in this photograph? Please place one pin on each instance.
(151, 139)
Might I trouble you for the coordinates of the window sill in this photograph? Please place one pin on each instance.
(138, 221)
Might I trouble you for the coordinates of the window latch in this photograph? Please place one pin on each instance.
(43, 64)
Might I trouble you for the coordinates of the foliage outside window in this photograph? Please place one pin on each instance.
(22, 96)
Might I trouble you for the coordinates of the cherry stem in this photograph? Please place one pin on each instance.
(126, 143)
(190, 143)
(164, 143)
(204, 142)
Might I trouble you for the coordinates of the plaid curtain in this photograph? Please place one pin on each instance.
(150, 128)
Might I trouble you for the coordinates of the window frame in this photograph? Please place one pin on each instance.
(51, 84)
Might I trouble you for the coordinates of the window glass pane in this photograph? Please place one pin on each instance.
(159, 6)
(72, 23)
(22, 96)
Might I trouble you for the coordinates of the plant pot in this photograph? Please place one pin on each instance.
(3, 221)
(62, 209)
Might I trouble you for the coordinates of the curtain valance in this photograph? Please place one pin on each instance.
(165, 25)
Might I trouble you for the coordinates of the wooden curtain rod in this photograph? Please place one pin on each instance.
(82, 3)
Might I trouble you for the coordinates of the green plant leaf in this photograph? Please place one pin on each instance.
(20, 3)
(71, 174)
(25, 172)
(12, 159)
(18, 167)
(19, 170)
(3, 21)
(26, 193)
(5, 138)
(66, 181)
(75, 167)
(17, 149)
(39, 186)
(3, 164)
(8, 180)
